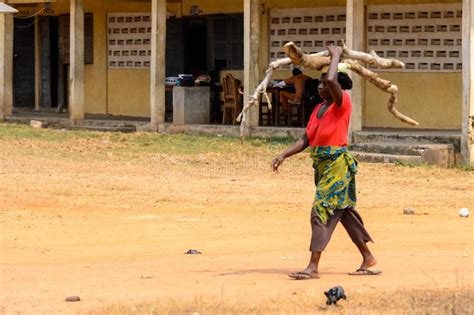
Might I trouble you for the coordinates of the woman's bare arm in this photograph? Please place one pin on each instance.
(331, 79)
(296, 148)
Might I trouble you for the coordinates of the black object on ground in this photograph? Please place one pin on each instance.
(334, 295)
(193, 252)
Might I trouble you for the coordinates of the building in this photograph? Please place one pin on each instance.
(111, 57)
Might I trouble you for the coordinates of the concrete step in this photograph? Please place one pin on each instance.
(124, 129)
(382, 152)
(386, 158)
(108, 123)
(410, 136)
(55, 123)
(87, 124)
(402, 148)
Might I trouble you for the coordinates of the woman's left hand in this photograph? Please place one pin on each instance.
(277, 162)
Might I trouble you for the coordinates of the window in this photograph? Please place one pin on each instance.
(64, 21)
(226, 42)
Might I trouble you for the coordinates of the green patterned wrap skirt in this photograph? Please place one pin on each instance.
(334, 177)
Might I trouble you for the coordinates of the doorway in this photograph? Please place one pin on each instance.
(49, 61)
(24, 62)
(195, 46)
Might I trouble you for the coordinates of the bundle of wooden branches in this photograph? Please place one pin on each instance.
(350, 59)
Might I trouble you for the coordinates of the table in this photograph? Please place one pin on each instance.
(216, 89)
(275, 99)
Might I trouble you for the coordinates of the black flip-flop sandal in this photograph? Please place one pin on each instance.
(303, 275)
(365, 272)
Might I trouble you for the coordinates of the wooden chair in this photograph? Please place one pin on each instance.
(231, 98)
(295, 112)
(265, 115)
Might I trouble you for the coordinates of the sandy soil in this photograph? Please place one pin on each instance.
(78, 220)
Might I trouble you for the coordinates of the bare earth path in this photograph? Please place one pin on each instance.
(81, 217)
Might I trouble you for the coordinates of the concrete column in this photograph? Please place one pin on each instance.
(6, 65)
(467, 140)
(158, 63)
(252, 11)
(76, 76)
(355, 39)
(264, 59)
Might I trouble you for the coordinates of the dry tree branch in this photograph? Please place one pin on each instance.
(321, 59)
(385, 86)
(261, 88)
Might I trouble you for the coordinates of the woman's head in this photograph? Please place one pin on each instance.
(297, 71)
(343, 79)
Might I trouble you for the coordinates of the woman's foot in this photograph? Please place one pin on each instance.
(369, 261)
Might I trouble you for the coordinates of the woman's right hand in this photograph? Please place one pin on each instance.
(277, 162)
(334, 50)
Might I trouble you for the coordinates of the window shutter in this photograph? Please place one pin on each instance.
(174, 47)
(226, 38)
(218, 38)
(88, 38)
(235, 44)
(64, 22)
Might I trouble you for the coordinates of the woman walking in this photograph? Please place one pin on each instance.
(335, 169)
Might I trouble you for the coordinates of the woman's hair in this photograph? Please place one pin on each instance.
(344, 81)
(297, 71)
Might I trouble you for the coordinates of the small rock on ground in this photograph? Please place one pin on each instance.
(193, 252)
(73, 298)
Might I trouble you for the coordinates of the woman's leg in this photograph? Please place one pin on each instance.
(321, 234)
(368, 259)
(313, 266)
(352, 222)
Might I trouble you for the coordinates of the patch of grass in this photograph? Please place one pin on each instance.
(410, 301)
(17, 131)
(463, 168)
(403, 163)
(274, 140)
(139, 142)
(178, 143)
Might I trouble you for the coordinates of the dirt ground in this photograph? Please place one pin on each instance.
(81, 217)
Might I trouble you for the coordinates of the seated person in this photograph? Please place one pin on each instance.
(298, 80)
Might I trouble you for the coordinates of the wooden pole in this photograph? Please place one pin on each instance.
(6, 65)
(252, 10)
(76, 76)
(158, 63)
(355, 31)
(467, 138)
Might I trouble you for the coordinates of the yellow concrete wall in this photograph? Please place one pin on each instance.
(282, 4)
(126, 91)
(112, 91)
(433, 99)
(129, 92)
(371, 2)
(207, 7)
